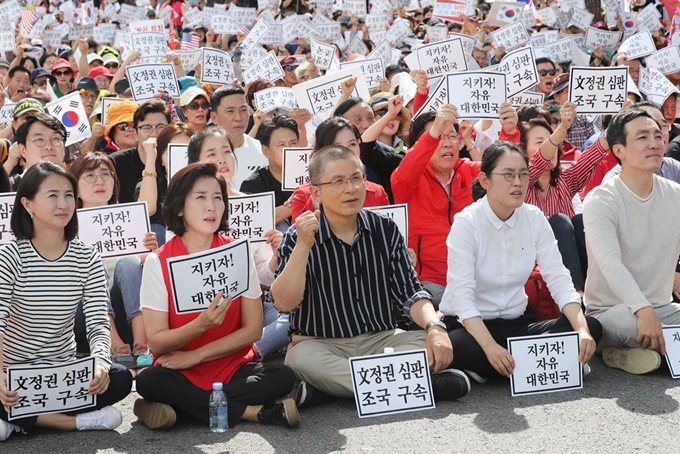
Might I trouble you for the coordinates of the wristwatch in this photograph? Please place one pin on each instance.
(434, 323)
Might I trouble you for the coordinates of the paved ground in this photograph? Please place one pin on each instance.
(615, 412)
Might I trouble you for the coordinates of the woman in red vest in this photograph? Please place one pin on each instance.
(194, 350)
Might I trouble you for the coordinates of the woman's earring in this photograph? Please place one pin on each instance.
(30, 213)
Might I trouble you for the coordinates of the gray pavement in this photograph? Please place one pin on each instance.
(615, 412)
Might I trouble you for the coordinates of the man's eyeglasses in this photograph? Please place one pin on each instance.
(62, 73)
(196, 106)
(510, 176)
(545, 72)
(106, 177)
(357, 180)
(40, 141)
(125, 126)
(147, 129)
(86, 95)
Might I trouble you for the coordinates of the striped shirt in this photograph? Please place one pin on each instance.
(353, 289)
(38, 302)
(558, 198)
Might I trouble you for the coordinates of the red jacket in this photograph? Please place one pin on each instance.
(430, 209)
(302, 198)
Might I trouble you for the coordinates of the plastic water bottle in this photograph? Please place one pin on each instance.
(218, 409)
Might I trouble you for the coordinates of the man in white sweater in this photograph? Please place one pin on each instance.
(633, 246)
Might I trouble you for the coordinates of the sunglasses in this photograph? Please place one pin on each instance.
(555, 121)
(545, 72)
(125, 126)
(289, 68)
(196, 106)
(62, 73)
(112, 66)
(40, 83)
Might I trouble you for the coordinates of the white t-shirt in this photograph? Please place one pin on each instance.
(249, 158)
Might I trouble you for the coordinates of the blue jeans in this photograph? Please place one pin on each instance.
(159, 230)
(275, 333)
(127, 280)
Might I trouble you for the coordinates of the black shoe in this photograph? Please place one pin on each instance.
(450, 384)
(308, 396)
(283, 413)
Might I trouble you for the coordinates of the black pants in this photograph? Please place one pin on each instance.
(571, 242)
(252, 384)
(467, 354)
(119, 387)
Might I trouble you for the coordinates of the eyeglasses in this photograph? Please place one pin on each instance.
(545, 72)
(85, 95)
(125, 126)
(382, 112)
(62, 73)
(40, 141)
(337, 184)
(555, 121)
(102, 80)
(196, 106)
(289, 68)
(105, 176)
(147, 129)
(40, 83)
(453, 137)
(510, 176)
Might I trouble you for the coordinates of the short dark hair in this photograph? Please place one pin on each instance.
(545, 60)
(45, 56)
(530, 111)
(418, 127)
(92, 161)
(616, 132)
(347, 104)
(21, 223)
(38, 117)
(524, 129)
(320, 158)
(490, 160)
(224, 90)
(648, 103)
(17, 69)
(31, 59)
(164, 138)
(198, 139)
(178, 190)
(329, 128)
(268, 126)
(151, 107)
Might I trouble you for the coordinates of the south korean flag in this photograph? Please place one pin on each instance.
(70, 112)
(504, 13)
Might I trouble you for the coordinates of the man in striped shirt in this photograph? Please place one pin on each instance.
(344, 273)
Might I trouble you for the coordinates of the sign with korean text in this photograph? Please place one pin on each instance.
(11, 9)
(655, 85)
(267, 67)
(598, 90)
(216, 66)
(275, 98)
(399, 30)
(666, 60)
(601, 38)
(147, 80)
(372, 69)
(398, 213)
(7, 41)
(438, 59)
(224, 24)
(383, 51)
(437, 98)
(104, 33)
(253, 38)
(147, 26)
(6, 113)
(477, 94)
(671, 335)
(295, 167)
(115, 230)
(189, 58)
(639, 45)
(70, 112)
(178, 158)
(449, 10)
(561, 50)
(352, 7)
(80, 32)
(511, 35)
(6, 207)
(51, 388)
(193, 17)
(357, 46)
(545, 363)
(329, 31)
(150, 45)
(196, 278)
(251, 216)
(52, 38)
(391, 383)
(526, 97)
(321, 94)
(520, 68)
(581, 18)
(245, 16)
(322, 53)
(377, 21)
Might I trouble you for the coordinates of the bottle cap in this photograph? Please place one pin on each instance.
(388, 350)
(217, 386)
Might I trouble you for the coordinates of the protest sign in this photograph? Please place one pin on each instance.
(267, 67)
(545, 363)
(639, 45)
(504, 13)
(561, 50)
(578, 57)
(189, 58)
(273, 36)
(354, 7)
(547, 16)
(598, 90)
(477, 94)
(248, 60)
(468, 42)
(439, 96)
(391, 383)
(528, 19)
(147, 26)
(70, 112)
(115, 230)
(308, 32)
(437, 33)
(449, 10)
(150, 45)
(12, 10)
(196, 278)
(80, 32)
(178, 158)
(601, 38)
(321, 94)
(581, 18)
(372, 69)
(251, 216)
(275, 98)
(671, 335)
(655, 85)
(439, 58)
(224, 24)
(520, 68)
(666, 60)
(104, 33)
(6, 114)
(147, 80)
(377, 21)
(253, 38)
(398, 213)
(383, 51)
(511, 35)
(192, 17)
(294, 165)
(245, 16)
(6, 207)
(526, 97)
(322, 54)
(7, 41)
(51, 388)
(377, 6)
(357, 46)
(329, 31)
(216, 67)
(52, 38)
(399, 30)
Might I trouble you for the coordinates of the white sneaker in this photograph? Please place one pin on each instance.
(108, 418)
(6, 429)
(586, 369)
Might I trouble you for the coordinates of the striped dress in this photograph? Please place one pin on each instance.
(38, 302)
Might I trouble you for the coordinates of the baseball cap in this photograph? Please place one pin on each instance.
(285, 61)
(186, 82)
(560, 83)
(93, 57)
(27, 105)
(190, 94)
(122, 87)
(4, 63)
(87, 83)
(100, 71)
(40, 72)
(110, 58)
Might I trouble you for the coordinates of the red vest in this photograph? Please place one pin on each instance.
(219, 370)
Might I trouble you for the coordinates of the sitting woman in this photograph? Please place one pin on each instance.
(45, 273)
(195, 350)
(489, 311)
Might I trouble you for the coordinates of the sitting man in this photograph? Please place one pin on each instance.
(343, 272)
(633, 247)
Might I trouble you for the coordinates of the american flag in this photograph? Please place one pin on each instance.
(28, 19)
(190, 41)
(243, 29)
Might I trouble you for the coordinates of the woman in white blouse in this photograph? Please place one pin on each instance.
(493, 247)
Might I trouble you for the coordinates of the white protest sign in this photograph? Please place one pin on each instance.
(598, 90)
(468, 43)
(547, 16)
(51, 388)
(275, 98)
(192, 17)
(439, 58)
(273, 36)
(520, 68)
(245, 16)
(321, 94)
(382, 51)
(561, 49)
(477, 94)
(378, 6)
(329, 31)
(150, 44)
(6, 114)
(294, 165)
(544, 52)
(146, 80)
(259, 30)
(504, 13)
(80, 32)
(601, 38)
(357, 46)
(352, 7)
(398, 213)
(115, 230)
(12, 10)
(671, 335)
(578, 57)
(377, 36)
(267, 67)
(449, 10)
(399, 30)
(7, 41)
(545, 363)
(613, 7)
(6, 207)
(248, 60)
(178, 158)
(527, 18)
(104, 33)
(52, 38)
(437, 98)
(391, 383)
(196, 278)
(251, 216)
(189, 58)
(289, 29)
(224, 24)
(655, 85)
(437, 33)
(307, 31)
(526, 97)
(581, 18)
(70, 112)
(639, 45)
(216, 67)
(648, 19)
(147, 26)
(511, 36)
(377, 21)
(372, 69)
(666, 60)
(322, 54)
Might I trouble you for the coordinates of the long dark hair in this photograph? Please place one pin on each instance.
(490, 160)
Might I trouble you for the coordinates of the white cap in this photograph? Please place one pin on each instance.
(190, 94)
(93, 57)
